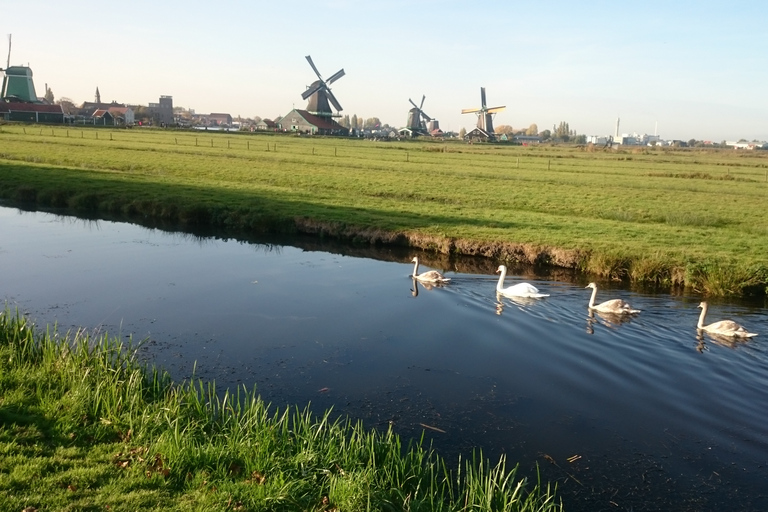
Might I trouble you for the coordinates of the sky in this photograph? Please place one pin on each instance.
(694, 69)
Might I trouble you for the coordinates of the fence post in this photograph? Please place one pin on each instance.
(406, 156)
(247, 144)
(549, 164)
(211, 141)
(227, 143)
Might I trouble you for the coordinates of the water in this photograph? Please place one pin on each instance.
(638, 415)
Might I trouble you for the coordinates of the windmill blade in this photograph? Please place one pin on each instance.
(333, 100)
(423, 97)
(412, 103)
(313, 89)
(424, 115)
(340, 73)
(482, 97)
(495, 109)
(8, 62)
(470, 110)
(309, 59)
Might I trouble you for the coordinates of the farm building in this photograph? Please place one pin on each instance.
(30, 112)
(303, 122)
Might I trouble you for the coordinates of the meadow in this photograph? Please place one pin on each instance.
(685, 217)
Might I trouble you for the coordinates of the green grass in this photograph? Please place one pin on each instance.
(605, 212)
(85, 426)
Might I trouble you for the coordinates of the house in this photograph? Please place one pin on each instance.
(219, 119)
(102, 117)
(123, 115)
(31, 112)
(302, 121)
(266, 124)
(480, 135)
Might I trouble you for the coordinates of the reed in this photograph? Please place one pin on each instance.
(86, 426)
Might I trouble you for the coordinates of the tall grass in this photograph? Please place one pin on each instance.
(84, 424)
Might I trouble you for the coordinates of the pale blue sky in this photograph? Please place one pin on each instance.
(698, 68)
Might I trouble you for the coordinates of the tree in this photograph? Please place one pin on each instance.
(563, 131)
(691, 143)
(344, 121)
(67, 105)
(462, 133)
(505, 129)
(353, 122)
(532, 130)
(48, 95)
(372, 123)
(546, 135)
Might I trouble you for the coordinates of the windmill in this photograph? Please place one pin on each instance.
(17, 82)
(484, 115)
(320, 96)
(418, 119)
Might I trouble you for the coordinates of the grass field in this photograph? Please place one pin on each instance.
(686, 216)
(84, 426)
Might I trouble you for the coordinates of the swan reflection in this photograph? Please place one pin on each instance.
(723, 340)
(610, 320)
(426, 286)
(518, 301)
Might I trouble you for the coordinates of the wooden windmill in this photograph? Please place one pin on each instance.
(484, 115)
(419, 123)
(320, 96)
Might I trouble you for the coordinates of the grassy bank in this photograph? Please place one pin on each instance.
(690, 217)
(84, 426)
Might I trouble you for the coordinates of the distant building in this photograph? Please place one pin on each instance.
(18, 84)
(527, 139)
(31, 112)
(219, 119)
(102, 117)
(479, 134)
(266, 124)
(162, 111)
(123, 115)
(302, 121)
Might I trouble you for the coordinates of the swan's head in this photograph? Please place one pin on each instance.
(501, 268)
(415, 259)
(591, 285)
(702, 305)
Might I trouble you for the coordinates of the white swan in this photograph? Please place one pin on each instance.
(518, 290)
(615, 306)
(430, 276)
(723, 327)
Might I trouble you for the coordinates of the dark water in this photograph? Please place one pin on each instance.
(636, 416)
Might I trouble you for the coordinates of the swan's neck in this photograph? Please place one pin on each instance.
(700, 325)
(415, 268)
(592, 299)
(500, 285)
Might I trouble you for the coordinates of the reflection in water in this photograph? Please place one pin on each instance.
(719, 339)
(518, 301)
(610, 320)
(427, 286)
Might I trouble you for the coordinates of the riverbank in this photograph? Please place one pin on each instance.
(84, 424)
(673, 218)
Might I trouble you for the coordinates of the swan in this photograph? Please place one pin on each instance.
(518, 290)
(615, 306)
(723, 327)
(430, 276)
